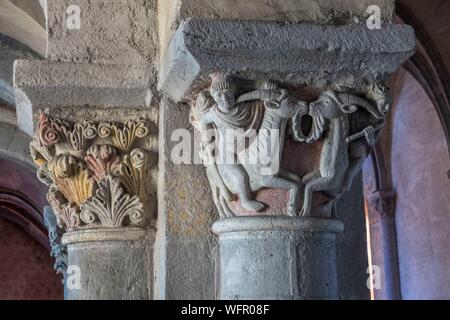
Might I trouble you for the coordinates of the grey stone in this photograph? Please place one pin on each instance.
(10, 50)
(185, 261)
(351, 245)
(117, 270)
(296, 53)
(14, 143)
(53, 84)
(277, 257)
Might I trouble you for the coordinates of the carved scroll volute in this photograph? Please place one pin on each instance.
(124, 137)
(132, 171)
(79, 137)
(95, 179)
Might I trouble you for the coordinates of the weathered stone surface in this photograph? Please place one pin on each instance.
(14, 143)
(277, 258)
(185, 261)
(10, 50)
(117, 270)
(351, 245)
(296, 53)
(50, 84)
(120, 31)
(172, 12)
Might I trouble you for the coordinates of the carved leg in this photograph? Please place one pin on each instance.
(225, 208)
(236, 179)
(319, 184)
(311, 176)
(285, 184)
(247, 203)
(353, 169)
(290, 176)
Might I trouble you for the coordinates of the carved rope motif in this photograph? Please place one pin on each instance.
(94, 171)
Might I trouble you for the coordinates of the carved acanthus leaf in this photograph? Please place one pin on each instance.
(71, 178)
(66, 213)
(49, 130)
(132, 172)
(124, 137)
(111, 205)
(79, 137)
(101, 160)
(91, 171)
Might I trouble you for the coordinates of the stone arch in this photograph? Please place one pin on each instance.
(25, 22)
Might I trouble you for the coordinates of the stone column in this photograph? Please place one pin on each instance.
(96, 172)
(274, 258)
(381, 209)
(92, 106)
(315, 96)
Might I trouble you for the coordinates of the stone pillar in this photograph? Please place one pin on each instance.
(123, 274)
(319, 111)
(92, 106)
(97, 176)
(381, 209)
(278, 258)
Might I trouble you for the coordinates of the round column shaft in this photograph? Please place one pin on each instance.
(277, 257)
(109, 264)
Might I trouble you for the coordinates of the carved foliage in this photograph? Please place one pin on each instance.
(93, 177)
(101, 159)
(67, 214)
(111, 205)
(124, 137)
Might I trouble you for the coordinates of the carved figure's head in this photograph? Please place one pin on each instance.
(223, 92)
(380, 94)
(329, 106)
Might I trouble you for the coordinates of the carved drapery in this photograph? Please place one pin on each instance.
(344, 123)
(95, 171)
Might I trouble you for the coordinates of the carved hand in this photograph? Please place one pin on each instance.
(369, 133)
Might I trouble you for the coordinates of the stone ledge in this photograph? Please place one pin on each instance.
(100, 235)
(51, 83)
(296, 53)
(277, 223)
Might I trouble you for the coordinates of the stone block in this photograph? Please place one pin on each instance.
(171, 13)
(350, 55)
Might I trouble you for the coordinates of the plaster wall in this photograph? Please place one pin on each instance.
(26, 268)
(419, 167)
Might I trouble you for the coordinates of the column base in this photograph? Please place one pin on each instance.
(274, 257)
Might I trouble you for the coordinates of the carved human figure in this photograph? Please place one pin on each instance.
(223, 168)
(242, 178)
(333, 175)
(365, 127)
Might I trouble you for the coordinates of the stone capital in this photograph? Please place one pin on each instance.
(95, 171)
(315, 92)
